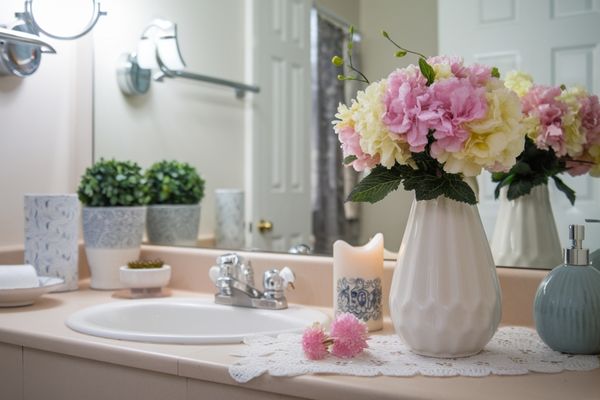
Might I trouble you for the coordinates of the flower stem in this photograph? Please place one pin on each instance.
(385, 34)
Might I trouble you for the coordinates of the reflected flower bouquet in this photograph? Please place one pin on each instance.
(428, 126)
(563, 135)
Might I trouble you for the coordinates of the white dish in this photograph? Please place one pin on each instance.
(26, 296)
(142, 278)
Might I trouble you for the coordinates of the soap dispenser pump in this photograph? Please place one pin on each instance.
(567, 303)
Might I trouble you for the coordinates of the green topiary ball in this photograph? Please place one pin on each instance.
(172, 182)
(111, 183)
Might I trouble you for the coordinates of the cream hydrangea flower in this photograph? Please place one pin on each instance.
(375, 137)
(574, 140)
(442, 71)
(594, 152)
(519, 82)
(495, 141)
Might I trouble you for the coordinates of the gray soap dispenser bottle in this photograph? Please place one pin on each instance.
(567, 303)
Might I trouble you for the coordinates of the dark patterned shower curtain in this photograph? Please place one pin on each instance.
(332, 220)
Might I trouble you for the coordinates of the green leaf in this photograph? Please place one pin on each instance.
(427, 71)
(521, 168)
(350, 159)
(560, 185)
(519, 188)
(376, 185)
(428, 187)
(505, 181)
(400, 53)
(495, 73)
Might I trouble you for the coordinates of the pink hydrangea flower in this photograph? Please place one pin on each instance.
(315, 343)
(349, 336)
(350, 141)
(456, 64)
(455, 102)
(590, 118)
(576, 168)
(541, 101)
(407, 96)
(479, 74)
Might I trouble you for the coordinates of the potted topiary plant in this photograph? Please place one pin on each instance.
(175, 190)
(114, 195)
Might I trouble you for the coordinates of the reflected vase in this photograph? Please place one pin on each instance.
(445, 298)
(525, 234)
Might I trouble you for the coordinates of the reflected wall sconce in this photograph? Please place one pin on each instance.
(158, 57)
(21, 47)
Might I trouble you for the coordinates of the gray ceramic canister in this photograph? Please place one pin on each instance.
(567, 302)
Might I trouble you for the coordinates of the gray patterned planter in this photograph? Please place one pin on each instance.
(51, 237)
(113, 237)
(173, 224)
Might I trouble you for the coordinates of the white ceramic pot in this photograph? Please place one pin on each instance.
(525, 234)
(445, 298)
(173, 224)
(145, 278)
(113, 237)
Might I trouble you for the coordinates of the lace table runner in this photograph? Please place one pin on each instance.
(512, 351)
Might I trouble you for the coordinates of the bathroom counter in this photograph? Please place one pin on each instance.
(39, 330)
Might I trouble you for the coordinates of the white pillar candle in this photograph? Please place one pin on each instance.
(357, 275)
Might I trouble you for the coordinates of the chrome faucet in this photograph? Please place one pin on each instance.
(234, 278)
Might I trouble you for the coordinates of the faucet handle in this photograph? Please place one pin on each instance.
(288, 277)
(275, 281)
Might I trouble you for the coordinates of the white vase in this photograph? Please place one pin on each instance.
(445, 298)
(525, 234)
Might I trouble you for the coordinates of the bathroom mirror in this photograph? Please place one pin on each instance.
(207, 126)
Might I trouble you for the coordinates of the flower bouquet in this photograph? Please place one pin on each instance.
(427, 127)
(563, 135)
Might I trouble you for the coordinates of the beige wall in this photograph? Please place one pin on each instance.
(45, 139)
(178, 119)
(412, 24)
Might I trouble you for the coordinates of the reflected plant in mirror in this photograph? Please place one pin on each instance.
(175, 190)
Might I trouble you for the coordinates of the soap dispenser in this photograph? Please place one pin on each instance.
(567, 302)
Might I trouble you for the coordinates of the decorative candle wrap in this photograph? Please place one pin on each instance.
(357, 276)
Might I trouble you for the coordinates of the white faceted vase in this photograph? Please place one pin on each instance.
(445, 298)
(525, 234)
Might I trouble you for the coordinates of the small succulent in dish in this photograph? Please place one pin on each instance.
(145, 264)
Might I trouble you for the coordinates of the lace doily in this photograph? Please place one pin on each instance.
(512, 351)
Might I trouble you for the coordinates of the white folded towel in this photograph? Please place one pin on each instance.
(18, 277)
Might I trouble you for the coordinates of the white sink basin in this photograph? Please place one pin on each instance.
(188, 321)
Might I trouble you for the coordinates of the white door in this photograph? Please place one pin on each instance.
(278, 179)
(557, 41)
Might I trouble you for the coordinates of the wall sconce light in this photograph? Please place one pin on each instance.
(21, 47)
(158, 57)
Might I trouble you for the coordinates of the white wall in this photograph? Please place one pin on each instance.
(177, 119)
(45, 138)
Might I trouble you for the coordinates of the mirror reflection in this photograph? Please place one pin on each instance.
(277, 147)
